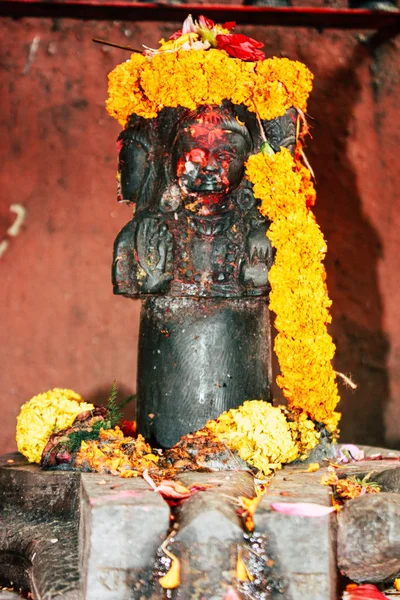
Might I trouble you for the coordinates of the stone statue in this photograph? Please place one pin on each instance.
(197, 253)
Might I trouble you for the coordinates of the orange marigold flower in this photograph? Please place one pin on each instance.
(145, 85)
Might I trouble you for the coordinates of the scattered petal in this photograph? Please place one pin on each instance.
(172, 579)
(302, 509)
(363, 592)
(149, 480)
(349, 453)
(312, 467)
(231, 594)
(247, 509)
(173, 489)
(242, 572)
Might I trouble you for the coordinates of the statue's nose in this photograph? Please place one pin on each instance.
(211, 166)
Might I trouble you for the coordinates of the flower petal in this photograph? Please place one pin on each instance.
(349, 452)
(363, 592)
(172, 579)
(231, 594)
(173, 489)
(302, 509)
(189, 25)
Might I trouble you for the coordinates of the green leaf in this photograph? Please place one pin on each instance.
(266, 149)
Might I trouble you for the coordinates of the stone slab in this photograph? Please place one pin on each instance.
(369, 538)
(209, 534)
(27, 487)
(304, 546)
(122, 524)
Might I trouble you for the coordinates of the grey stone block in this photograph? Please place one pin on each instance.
(122, 523)
(210, 531)
(304, 546)
(389, 480)
(42, 493)
(369, 538)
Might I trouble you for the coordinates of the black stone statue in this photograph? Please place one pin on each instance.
(196, 252)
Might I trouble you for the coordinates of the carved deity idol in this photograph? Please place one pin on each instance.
(197, 254)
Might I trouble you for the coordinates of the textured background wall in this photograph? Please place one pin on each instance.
(61, 325)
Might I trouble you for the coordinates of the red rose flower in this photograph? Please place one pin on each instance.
(229, 25)
(240, 46)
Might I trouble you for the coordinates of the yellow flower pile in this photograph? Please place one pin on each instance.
(265, 436)
(144, 85)
(298, 290)
(43, 415)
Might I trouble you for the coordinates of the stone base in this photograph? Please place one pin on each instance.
(87, 536)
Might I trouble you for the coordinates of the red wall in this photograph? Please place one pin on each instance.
(61, 325)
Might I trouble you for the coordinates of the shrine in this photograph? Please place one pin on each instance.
(216, 490)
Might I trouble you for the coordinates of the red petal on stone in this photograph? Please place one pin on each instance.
(173, 490)
(364, 592)
(231, 594)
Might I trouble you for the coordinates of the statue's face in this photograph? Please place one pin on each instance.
(209, 163)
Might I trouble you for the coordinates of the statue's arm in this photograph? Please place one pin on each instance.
(124, 268)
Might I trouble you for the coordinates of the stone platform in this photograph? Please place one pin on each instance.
(87, 536)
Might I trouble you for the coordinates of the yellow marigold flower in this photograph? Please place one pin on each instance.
(43, 415)
(263, 435)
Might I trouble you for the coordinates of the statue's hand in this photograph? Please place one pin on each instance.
(154, 250)
(259, 257)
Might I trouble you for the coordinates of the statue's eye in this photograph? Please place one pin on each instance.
(197, 155)
(224, 156)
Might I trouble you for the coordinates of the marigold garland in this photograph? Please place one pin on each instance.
(144, 85)
(298, 291)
